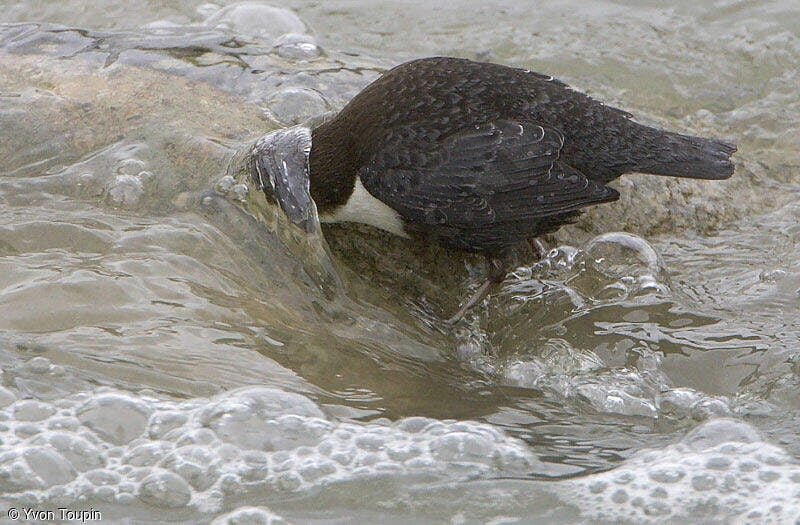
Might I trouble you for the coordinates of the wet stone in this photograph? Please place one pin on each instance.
(708, 408)
(125, 190)
(130, 166)
(225, 184)
(239, 192)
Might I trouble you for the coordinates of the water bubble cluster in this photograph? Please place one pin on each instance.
(721, 470)
(611, 267)
(640, 388)
(618, 271)
(118, 447)
(286, 104)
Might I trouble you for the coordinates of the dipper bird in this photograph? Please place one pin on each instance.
(478, 156)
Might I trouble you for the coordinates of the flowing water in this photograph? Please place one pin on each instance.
(173, 350)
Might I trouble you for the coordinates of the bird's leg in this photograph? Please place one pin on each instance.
(538, 248)
(497, 272)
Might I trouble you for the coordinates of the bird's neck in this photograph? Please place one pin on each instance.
(333, 163)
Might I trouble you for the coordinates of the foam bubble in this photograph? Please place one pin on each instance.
(254, 19)
(582, 376)
(618, 253)
(6, 397)
(296, 46)
(119, 447)
(638, 389)
(118, 418)
(163, 488)
(293, 105)
(250, 516)
(611, 268)
(721, 470)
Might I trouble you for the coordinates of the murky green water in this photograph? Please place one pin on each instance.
(168, 342)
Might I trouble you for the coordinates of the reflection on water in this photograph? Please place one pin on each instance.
(170, 341)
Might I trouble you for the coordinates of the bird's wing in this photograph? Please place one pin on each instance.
(499, 172)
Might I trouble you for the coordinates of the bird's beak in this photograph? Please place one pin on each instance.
(279, 166)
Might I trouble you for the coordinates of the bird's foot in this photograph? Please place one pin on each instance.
(497, 273)
(538, 248)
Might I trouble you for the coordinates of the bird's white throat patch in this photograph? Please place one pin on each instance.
(364, 208)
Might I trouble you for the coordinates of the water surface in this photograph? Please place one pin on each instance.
(169, 342)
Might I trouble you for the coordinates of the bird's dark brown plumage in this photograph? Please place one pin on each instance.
(484, 156)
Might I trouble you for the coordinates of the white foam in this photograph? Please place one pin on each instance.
(722, 471)
(250, 515)
(118, 447)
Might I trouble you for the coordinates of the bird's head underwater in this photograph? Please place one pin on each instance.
(278, 164)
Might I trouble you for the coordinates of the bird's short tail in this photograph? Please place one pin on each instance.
(676, 155)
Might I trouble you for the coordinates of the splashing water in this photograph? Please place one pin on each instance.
(170, 341)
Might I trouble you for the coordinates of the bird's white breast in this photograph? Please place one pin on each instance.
(364, 208)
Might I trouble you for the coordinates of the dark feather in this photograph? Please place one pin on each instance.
(491, 153)
(501, 178)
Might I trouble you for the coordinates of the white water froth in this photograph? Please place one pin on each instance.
(117, 447)
(722, 472)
